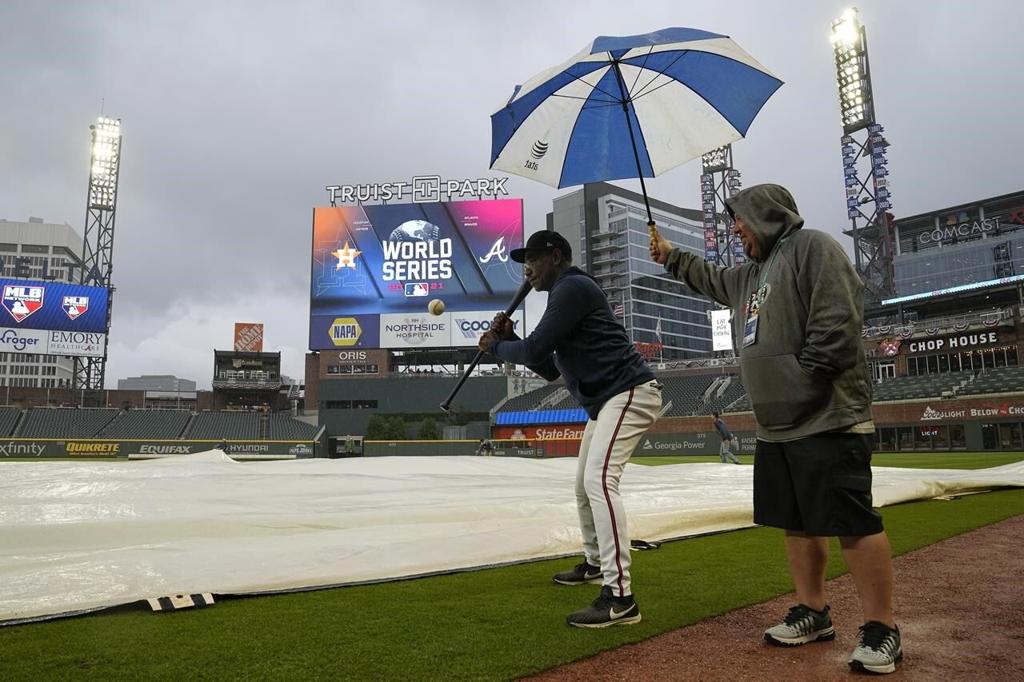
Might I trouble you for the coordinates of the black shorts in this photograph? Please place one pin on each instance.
(820, 485)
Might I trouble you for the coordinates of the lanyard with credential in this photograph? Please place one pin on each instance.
(757, 298)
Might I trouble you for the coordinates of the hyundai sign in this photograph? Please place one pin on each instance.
(375, 268)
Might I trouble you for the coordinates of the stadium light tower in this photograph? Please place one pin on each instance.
(98, 246)
(865, 174)
(719, 181)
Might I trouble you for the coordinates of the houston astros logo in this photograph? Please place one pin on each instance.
(540, 148)
(346, 257)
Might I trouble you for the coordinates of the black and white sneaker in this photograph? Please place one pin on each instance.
(580, 574)
(801, 625)
(879, 649)
(606, 610)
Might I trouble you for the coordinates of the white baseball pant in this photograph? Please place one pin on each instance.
(608, 442)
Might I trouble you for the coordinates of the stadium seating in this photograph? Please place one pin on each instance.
(921, 386)
(283, 427)
(146, 424)
(65, 422)
(1001, 380)
(8, 420)
(224, 425)
(531, 399)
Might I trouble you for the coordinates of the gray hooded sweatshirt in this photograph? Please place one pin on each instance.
(806, 373)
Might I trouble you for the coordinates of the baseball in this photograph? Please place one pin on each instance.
(436, 307)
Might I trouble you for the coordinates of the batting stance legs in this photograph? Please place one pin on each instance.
(608, 442)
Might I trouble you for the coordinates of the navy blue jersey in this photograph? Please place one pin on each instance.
(579, 339)
(723, 431)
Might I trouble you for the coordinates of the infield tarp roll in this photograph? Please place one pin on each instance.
(77, 536)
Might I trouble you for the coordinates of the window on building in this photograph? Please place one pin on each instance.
(989, 436)
(886, 439)
(34, 248)
(923, 437)
(1010, 436)
(906, 438)
(957, 437)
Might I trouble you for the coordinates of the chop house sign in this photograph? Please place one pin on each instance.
(957, 343)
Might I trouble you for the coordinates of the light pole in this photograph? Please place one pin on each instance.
(865, 170)
(719, 181)
(98, 244)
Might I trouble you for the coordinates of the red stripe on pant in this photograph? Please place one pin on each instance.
(604, 486)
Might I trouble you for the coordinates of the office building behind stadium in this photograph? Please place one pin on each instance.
(945, 351)
(36, 250)
(607, 228)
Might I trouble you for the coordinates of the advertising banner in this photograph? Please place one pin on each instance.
(27, 448)
(392, 260)
(415, 331)
(28, 304)
(88, 344)
(468, 327)
(721, 330)
(249, 337)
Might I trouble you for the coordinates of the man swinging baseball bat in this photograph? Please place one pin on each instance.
(579, 339)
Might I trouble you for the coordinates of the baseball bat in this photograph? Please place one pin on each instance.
(524, 289)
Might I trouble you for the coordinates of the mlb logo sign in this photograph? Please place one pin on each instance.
(75, 305)
(21, 301)
(417, 289)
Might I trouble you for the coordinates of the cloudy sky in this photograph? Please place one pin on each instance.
(236, 115)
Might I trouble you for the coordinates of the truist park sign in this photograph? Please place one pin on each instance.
(420, 189)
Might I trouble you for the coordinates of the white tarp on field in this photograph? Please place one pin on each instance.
(83, 536)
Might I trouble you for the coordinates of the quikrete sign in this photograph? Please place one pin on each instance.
(957, 343)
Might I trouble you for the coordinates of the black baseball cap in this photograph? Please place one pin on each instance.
(543, 241)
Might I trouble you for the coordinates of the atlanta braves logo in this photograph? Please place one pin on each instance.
(497, 251)
(889, 347)
(21, 301)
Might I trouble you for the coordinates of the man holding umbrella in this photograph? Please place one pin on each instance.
(798, 310)
(579, 339)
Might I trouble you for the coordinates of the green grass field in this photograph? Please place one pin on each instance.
(912, 460)
(493, 624)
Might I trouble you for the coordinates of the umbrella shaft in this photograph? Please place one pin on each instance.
(632, 140)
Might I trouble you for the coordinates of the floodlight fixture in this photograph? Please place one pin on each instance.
(106, 160)
(849, 46)
(715, 160)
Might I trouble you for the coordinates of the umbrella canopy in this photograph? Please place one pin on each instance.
(630, 107)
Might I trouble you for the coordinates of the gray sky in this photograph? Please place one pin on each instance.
(236, 115)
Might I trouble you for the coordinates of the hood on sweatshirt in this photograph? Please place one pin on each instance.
(769, 210)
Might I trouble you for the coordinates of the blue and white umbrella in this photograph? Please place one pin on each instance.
(682, 91)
